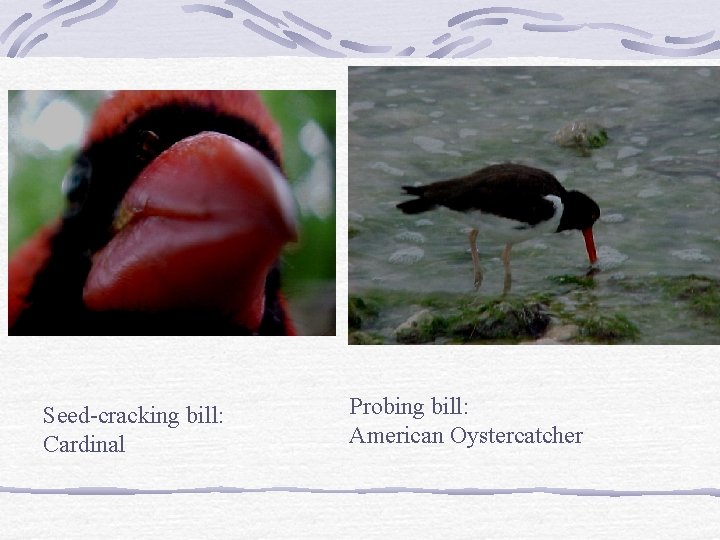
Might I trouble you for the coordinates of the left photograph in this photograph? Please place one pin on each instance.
(171, 212)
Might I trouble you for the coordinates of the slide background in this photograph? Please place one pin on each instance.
(649, 414)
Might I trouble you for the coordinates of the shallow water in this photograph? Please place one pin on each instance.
(657, 180)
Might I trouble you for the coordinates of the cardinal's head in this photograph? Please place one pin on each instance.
(177, 211)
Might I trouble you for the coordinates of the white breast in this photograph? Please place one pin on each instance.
(510, 231)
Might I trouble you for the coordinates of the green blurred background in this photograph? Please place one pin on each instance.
(46, 129)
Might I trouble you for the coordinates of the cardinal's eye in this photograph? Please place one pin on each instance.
(148, 145)
(76, 183)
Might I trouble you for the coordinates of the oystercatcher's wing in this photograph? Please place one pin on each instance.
(516, 193)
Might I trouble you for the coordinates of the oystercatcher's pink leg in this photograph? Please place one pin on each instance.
(506, 264)
(472, 237)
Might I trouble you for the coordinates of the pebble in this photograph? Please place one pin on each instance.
(410, 236)
(690, 254)
(409, 255)
(612, 218)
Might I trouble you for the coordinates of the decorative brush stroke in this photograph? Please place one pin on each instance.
(467, 35)
(194, 8)
(689, 40)
(102, 10)
(704, 492)
(668, 51)
(20, 48)
(308, 26)
(13, 25)
(461, 44)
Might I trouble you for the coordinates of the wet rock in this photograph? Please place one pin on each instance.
(562, 333)
(502, 320)
(584, 135)
(417, 329)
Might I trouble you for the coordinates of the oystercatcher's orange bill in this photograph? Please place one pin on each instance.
(590, 245)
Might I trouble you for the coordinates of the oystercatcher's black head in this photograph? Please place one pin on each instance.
(580, 212)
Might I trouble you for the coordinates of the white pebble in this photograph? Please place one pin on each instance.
(612, 218)
(410, 236)
(409, 255)
(690, 254)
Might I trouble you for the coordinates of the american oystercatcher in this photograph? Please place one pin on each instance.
(512, 203)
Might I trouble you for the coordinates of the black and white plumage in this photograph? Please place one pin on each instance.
(515, 202)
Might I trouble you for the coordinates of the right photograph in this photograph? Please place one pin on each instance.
(534, 205)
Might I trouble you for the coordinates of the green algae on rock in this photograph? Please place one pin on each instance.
(359, 311)
(502, 321)
(607, 329)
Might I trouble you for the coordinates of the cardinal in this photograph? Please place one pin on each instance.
(510, 203)
(177, 211)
